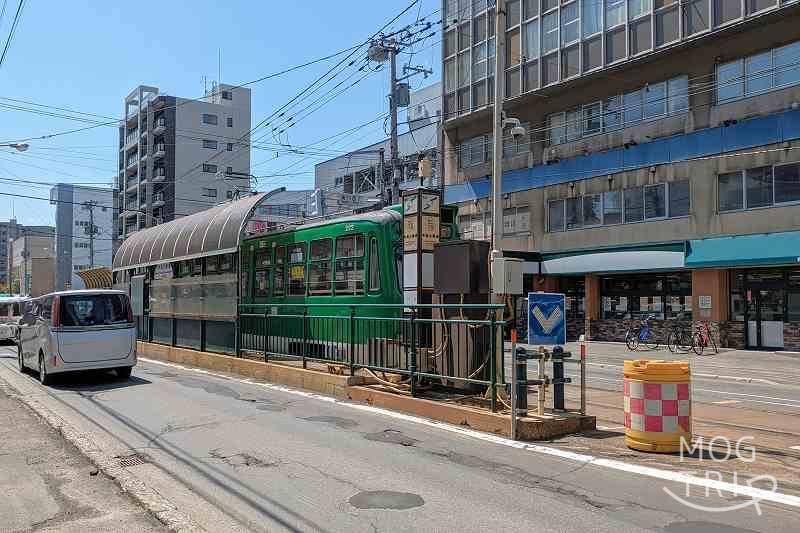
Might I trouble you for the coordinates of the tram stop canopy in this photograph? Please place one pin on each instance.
(214, 231)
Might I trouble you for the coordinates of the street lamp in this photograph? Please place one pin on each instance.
(19, 147)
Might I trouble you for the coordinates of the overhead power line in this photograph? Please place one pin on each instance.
(12, 31)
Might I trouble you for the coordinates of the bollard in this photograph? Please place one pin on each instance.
(558, 378)
(583, 375)
(521, 373)
(657, 405)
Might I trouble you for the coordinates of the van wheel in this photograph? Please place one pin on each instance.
(44, 377)
(124, 372)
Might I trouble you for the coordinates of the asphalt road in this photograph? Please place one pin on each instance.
(239, 456)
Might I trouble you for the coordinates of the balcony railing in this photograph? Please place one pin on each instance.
(159, 150)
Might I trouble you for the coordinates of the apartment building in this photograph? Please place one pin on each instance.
(178, 156)
(32, 265)
(660, 170)
(84, 231)
(9, 232)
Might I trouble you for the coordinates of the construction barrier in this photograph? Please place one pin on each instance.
(657, 405)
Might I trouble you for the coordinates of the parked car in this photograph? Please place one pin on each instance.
(10, 313)
(78, 330)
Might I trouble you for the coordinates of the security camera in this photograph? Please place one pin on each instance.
(517, 132)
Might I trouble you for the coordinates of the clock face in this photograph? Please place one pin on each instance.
(410, 204)
(430, 204)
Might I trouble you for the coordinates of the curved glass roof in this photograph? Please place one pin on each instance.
(214, 231)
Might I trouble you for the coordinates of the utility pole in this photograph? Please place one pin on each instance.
(91, 230)
(393, 155)
(381, 173)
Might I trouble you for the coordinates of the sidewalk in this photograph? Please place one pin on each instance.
(47, 485)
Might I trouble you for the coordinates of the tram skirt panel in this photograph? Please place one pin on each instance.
(657, 405)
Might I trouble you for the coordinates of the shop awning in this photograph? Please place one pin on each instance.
(766, 249)
(668, 256)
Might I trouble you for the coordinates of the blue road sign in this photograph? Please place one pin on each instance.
(547, 319)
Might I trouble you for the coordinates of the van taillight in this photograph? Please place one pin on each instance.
(56, 311)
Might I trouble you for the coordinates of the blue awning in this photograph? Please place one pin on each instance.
(764, 249)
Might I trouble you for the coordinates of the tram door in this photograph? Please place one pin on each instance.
(765, 317)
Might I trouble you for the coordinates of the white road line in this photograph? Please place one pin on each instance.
(666, 475)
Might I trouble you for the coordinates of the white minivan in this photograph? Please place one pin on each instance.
(77, 330)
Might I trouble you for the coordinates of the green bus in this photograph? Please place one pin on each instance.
(310, 279)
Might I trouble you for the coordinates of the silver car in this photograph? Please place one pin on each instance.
(77, 330)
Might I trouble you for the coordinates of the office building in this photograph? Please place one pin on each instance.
(178, 156)
(660, 169)
(84, 231)
(352, 180)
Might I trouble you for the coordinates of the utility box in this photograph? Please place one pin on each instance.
(507, 275)
(461, 267)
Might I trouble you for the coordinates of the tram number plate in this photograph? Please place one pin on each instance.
(410, 233)
(430, 231)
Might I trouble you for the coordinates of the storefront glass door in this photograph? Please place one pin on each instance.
(765, 318)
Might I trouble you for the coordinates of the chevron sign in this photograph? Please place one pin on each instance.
(546, 319)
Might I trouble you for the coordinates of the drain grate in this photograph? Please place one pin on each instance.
(131, 460)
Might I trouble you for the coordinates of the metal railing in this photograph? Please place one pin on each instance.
(454, 345)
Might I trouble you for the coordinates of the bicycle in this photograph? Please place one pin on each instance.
(702, 338)
(642, 333)
(679, 338)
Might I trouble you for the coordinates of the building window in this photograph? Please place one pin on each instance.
(758, 187)
(667, 22)
(652, 101)
(555, 215)
(516, 221)
(665, 296)
(731, 191)
(229, 147)
(209, 119)
(634, 204)
(207, 143)
(210, 193)
(229, 195)
(209, 168)
(227, 95)
(787, 183)
(228, 170)
(655, 201)
(612, 207)
(696, 16)
(758, 73)
(230, 122)
(679, 198)
(726, 11)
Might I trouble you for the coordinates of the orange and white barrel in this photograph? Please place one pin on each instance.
(657, 405)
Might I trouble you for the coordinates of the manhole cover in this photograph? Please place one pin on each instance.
(131, 460)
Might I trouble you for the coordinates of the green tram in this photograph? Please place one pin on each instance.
(308, 281)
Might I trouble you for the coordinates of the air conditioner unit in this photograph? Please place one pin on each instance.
(551, 156)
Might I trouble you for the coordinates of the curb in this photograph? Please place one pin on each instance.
(162, 509)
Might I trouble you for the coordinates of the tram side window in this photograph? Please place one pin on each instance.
(297, 269)
(374, 266)
(319, 271)
(278, 281)
(350, 264)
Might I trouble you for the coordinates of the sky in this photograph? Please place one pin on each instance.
(87, 55)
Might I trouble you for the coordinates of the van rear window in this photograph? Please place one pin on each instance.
(93, 309)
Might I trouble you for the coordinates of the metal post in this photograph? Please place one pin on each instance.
(266, 335)
(583, 377)
(413, 363)
(381, 177)
(558, 383)
(393, 151)
(542, 384)
(497, 150)
(352, 339)
(514, 384)
(493, 359)
(305, 336)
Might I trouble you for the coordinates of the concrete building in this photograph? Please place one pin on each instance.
(351, 180)
(660, 172)
(175, 153)
(84, 231)
(33, 265)
(9, 232)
